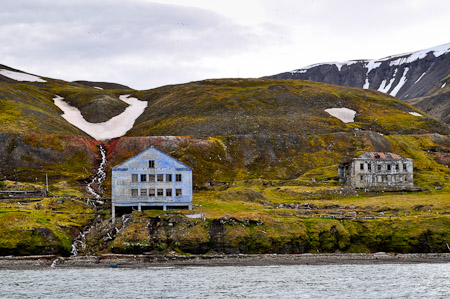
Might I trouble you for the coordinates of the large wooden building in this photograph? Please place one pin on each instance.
(378, 170)
(151, 179)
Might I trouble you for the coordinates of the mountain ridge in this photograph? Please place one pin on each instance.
(422, 74)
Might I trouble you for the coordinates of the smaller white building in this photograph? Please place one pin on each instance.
(378, 170)
(151, 179)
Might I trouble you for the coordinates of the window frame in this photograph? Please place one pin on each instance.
(160, 177)
(143, 177)
(151, 164)
(178, 177)
(134, 178)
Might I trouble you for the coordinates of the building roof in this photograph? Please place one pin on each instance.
(380, 156)
(152, 148)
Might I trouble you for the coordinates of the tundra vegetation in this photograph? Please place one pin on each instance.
(265, 157)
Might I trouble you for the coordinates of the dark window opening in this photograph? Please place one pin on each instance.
(178, 177)
(389, 167)
(160, 178)
(160, 192)
(134, 192)
(168, 192)
(361, 166)
(369, 167)
(168, 178)
(178, 192)
(404, 166)
(151, 177)
(151, 164)
(379, 167)
(143, 192)
(151, 192)
(143, 177)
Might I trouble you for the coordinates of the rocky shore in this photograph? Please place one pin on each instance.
(144, 261)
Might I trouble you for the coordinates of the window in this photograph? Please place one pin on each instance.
(379, 179)
(168, 192)
(361, 178)
(178, 192)
(134, 178)
(151, 177)
(404, 167)
(143, 192)
(168, 178)
(388, 167)
(379, 167)
(178, 177)
(151, 192)
(151, 164)
(397, 167)
(134, 192)
(160, 192)
(143, 177)
(369, 167)
(361, 166)
(160, 178)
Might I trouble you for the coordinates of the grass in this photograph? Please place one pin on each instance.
(46, 226)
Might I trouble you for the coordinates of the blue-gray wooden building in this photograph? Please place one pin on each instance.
(151, 179)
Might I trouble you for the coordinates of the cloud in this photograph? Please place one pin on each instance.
(141, 44)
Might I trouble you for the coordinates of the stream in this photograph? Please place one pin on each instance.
(79, 242)
(99, 176)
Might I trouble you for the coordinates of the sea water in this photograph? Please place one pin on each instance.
(300, 281)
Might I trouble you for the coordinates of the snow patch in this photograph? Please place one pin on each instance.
(370, 65)
(344, 114)
(387, 87)
(420, 77)
(400, 83)
(115, 127)
(443, 85)
(98, 87)
(20, 76)
(339, 66)
(415, 114)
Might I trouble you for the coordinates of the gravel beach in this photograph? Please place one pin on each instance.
(145, 261)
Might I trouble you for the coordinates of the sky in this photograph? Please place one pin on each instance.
(146, 44)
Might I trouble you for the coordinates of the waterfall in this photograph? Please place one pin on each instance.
(99, 176)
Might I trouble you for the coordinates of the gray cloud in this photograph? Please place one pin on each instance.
(140, 44)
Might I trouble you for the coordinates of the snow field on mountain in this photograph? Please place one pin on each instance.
(343, 114)
(395, 60)
(115, 127)
(415, 114)
(20, 76)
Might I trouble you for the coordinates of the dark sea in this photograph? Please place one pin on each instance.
(301, 281)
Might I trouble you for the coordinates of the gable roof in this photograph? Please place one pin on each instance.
(381, 156)
(151, 148)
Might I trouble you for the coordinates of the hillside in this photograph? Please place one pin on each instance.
(271, 107)
(264, 153)
(423, 74)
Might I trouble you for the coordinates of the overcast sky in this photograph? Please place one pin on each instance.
(146, 44)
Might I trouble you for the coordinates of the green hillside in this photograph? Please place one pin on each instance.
(261, 151)
(262, 106)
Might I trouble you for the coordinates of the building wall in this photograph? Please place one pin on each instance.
(365, 173)
(126, 192)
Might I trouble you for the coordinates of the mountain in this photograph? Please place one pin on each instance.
(261, 149)
(423, 75)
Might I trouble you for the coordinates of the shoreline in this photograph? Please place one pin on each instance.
(148, 261)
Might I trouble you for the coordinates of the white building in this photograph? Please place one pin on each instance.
(151, 179)
(378, 170)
